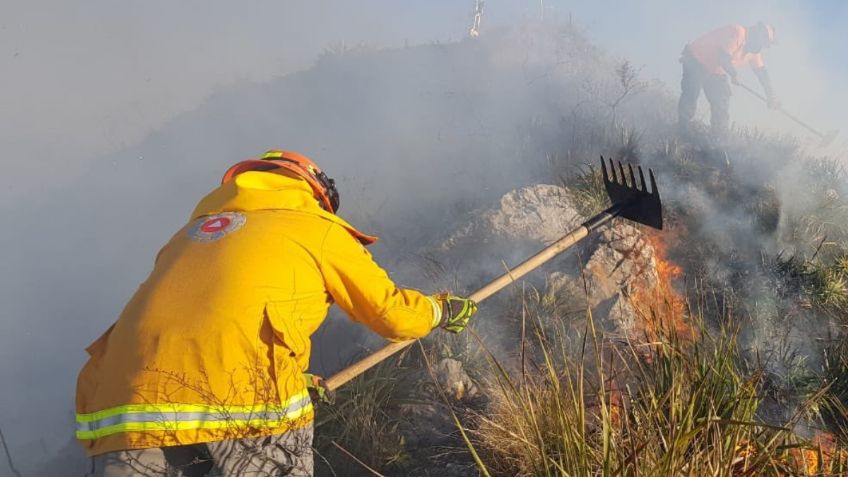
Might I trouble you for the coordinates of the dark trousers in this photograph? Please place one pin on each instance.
(716, 88)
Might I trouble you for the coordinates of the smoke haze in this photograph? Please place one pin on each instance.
(121, 116)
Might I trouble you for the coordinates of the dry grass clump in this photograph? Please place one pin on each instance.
(370, 416)
(818, 224)
(826, 285)
(585, 184)
(364, 420)
(669, 407)
(818, 283)
(834, 408)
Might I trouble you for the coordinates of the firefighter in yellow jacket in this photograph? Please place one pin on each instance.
(204, 369)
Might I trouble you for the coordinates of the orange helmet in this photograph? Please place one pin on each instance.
(323, 187)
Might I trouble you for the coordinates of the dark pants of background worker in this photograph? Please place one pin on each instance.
(716, 88)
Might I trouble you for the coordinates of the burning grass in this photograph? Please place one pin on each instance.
(661, 306)
(688, 401)
(669, 407)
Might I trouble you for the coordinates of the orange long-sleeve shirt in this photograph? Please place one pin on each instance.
(730, 40)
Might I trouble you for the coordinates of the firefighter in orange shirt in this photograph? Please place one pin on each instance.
(711, 60)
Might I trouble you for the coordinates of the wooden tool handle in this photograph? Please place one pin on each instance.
(354, 370)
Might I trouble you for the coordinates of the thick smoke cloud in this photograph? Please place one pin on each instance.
(81, 80)
(122, 116)
(85, 217)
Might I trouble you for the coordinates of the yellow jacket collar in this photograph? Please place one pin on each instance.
(255, 190)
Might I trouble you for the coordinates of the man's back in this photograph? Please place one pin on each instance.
(729, 40)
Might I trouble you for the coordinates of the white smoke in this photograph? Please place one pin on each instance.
(123, 116)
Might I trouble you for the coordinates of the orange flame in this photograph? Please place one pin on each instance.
(666, 269)
(813, 460)
(659, 304)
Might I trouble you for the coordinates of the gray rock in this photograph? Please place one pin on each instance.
(426, 423)
(620, 259)
(621, 317)
(454, 381)
(541, 213)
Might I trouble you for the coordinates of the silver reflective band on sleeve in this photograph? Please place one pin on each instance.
(176, 417)
(437, 312)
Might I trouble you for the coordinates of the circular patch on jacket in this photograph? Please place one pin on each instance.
(214, 227)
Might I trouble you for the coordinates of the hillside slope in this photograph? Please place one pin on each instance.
(421, 141)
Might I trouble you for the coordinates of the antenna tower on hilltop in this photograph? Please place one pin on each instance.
(474, 32)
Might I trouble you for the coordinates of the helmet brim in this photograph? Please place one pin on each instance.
(248, 165)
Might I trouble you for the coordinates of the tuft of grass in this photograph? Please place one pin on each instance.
(681, 160)
(630, 142)
(765, 209)
(819, 222)
(365, 421)
(586, 187)
(827, 286)
(818, 283)
(668, 407)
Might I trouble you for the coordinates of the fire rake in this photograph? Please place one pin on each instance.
(630, 200)
(825, 138)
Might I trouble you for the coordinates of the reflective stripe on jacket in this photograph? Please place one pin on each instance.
(213, 345)
(172, 417)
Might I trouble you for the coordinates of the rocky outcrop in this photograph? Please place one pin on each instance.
(541, 213)
(620, 259)
(621, 263)
(600, 274)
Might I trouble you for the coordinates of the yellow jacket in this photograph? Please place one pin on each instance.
(214, 344)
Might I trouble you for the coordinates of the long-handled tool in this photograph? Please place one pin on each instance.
(826, 138)
(630, 200)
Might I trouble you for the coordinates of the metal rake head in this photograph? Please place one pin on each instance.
(635, 201)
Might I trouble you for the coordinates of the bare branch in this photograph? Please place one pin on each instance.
(363, 464)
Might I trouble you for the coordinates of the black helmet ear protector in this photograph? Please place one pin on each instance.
(329, 186)
(323, 180)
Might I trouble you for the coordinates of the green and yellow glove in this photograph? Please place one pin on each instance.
(318, 390)
(456, 311)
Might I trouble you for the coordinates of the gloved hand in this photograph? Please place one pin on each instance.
(456, 311)
(773, 102)
(318, 390)
(735, 80)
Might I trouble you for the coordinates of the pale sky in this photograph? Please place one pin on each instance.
(80, 79)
